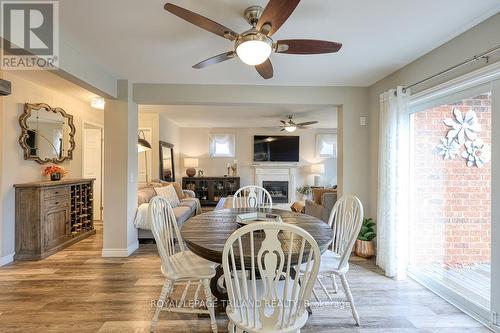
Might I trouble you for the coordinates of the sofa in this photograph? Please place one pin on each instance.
(189, 206)
(322, 203)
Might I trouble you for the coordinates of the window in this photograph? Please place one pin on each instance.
(222, 145)
(451, 197)
(326, 145)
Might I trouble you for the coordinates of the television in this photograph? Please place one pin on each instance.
(273, 148)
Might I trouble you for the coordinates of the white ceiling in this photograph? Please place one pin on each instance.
(223, 116)
(140, 41)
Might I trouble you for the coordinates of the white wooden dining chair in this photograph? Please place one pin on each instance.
(178, 265)
(277, 301)
(345, 220)
(252, 197)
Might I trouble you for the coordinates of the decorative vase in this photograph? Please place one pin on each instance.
(55, 176)
(191, 172)
(364, 249)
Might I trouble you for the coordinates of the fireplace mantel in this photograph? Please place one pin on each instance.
(277, 172)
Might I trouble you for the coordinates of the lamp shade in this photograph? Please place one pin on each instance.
(318, 169)
(191, 162)
(143, 145)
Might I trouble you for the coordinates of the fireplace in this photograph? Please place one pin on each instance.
(278, 190)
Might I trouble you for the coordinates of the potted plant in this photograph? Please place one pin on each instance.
(304, 192)
(364, 244)
(56, 172)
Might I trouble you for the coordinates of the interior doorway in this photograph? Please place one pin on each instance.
(93, 163)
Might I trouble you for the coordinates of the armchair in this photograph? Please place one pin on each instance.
(322, 205)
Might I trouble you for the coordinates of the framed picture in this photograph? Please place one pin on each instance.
(326, 145)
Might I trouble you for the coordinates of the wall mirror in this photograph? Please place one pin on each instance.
(167, 170)
(47, 134)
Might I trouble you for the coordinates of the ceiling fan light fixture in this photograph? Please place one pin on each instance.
(254, 49)
(290, 128)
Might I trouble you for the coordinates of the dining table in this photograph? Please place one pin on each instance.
(207, 233)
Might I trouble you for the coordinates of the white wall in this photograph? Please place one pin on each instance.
(17, 170)
(195, 143)
(481, 38)
(120, 167)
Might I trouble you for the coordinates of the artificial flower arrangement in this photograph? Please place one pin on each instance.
(56, 172)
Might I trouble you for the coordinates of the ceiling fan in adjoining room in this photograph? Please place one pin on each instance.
(290, 126)
(255, 45)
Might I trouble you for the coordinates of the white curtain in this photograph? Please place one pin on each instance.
(392, 216)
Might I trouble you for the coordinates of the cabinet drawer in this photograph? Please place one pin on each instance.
(55, 192)
(60, 201)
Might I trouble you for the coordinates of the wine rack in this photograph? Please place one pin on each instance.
(82, 219)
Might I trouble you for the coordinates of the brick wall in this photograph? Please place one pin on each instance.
(451, 215)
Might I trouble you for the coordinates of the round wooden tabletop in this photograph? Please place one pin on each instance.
(207, 233)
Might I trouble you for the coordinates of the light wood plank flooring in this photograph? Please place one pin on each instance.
(78, 291)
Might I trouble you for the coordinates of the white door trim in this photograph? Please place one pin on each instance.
(101, 127)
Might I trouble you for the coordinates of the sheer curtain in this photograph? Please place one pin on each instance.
(392, 215)
(222, 145)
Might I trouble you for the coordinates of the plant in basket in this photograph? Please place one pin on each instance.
(55, 172)
(364, 244)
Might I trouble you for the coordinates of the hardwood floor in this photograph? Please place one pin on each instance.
(78, 291)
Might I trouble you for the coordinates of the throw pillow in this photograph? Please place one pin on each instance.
(144, 195)
(178, 188)
(169, 193)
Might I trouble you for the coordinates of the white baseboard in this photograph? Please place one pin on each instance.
(120, 253)
(7, 259)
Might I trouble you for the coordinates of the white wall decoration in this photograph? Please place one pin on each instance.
(449, 149)
(477, 153)
(465, 131)
(463, 127)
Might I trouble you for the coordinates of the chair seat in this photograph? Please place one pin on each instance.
(187, 265)
(329, 264)
(235, 316)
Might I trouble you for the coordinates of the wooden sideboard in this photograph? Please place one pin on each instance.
(52, 215)
(211, 189)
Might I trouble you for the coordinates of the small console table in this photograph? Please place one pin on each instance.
(52, 215)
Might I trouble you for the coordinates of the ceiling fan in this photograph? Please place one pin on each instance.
(290, 126)
(255, 45)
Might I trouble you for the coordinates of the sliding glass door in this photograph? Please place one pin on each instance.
(451, 198)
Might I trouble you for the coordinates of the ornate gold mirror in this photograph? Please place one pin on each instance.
(47, 134)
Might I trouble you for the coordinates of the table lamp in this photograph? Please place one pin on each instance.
(317, 170)
(191, 164)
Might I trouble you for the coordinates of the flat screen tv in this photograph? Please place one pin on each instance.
(272, 148)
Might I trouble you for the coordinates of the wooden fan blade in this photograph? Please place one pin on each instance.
(283, 122)
(265, 69)
(307, 46)
(275, 14)
(282, 130)
(307, 123)
(215, 60)
(201, 21)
